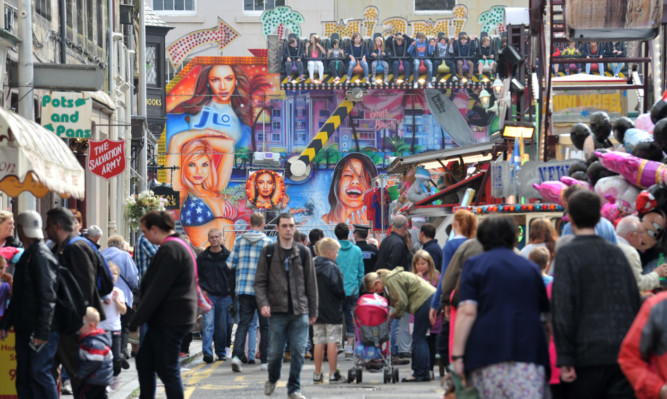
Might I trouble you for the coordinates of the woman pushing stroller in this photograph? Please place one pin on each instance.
(410, 293)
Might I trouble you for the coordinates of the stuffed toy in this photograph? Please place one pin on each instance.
(551, 191)
(420, 189)
(650, 199)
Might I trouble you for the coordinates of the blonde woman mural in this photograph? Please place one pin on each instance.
(350, 181)
(202, 135)
(203, 206)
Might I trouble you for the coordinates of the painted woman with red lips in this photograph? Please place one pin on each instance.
(350, 181)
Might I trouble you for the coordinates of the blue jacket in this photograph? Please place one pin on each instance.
(351, 263)
(428, 50)
(129, 276)
(95, 358)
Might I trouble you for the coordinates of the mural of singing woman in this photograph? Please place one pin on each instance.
(350, 181)
(203, 206)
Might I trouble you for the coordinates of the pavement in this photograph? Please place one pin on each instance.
(128, 387)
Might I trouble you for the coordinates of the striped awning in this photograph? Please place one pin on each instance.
(36, 160)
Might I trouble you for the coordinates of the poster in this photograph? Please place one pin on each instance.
(8, 367)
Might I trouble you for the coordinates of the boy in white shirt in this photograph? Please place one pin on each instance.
(114, 307)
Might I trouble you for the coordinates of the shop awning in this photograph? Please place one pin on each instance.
(36, 160)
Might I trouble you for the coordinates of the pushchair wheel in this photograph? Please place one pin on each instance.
(387, 375)
(359, 375)
(350, 375)
(394, 376)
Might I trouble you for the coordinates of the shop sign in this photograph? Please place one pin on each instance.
(67, 114)
(8, 367)
(106, 158)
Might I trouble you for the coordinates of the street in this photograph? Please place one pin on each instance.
(216, 380)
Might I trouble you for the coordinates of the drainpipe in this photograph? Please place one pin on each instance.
(26, 105)
(142, 163)
(113, 129)
(63, 31)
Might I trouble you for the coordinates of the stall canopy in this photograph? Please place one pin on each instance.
(36, 160)
(435, 159)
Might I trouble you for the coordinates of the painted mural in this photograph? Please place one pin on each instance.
(223, 110)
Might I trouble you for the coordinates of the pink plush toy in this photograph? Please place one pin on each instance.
(570, 181)
(551, 191)
(611, 212)
(640, 172)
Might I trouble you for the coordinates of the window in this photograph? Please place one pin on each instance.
(260, 5)
(324, 113)
(275, 113)
(275, 125)
(43, 8)
(174, 5)
(151, 65)
(260, 136)
(300, 137)
(434, 5)
(275, 137)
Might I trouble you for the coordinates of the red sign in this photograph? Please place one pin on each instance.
(106, 158)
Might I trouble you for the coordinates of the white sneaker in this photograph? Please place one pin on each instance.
(228, 353)
(416, 85)
(318, 378)
(295, 395)
(429, 85)
(269, 387)
(66, 387)
(236, 364)
(264, 366)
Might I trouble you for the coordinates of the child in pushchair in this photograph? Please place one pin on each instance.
(371, 327)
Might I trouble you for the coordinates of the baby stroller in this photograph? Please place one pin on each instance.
(371, 327)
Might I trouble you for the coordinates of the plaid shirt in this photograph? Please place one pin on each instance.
(143, 253)
(244, 258)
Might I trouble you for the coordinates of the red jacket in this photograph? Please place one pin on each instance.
(639, 357)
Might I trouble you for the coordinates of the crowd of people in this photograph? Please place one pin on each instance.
(592, 55)
(561, 317)
(398, 54)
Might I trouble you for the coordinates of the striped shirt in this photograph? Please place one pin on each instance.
(143, 253)
(244, 258)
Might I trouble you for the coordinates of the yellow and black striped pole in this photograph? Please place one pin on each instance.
(298, 168)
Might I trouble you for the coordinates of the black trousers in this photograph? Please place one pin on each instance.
(599, 382)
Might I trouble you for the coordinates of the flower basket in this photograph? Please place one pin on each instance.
(138, 204)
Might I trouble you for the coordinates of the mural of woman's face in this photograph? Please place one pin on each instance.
(198, 169)
(222, 82)
(353, 185)
(265, 185)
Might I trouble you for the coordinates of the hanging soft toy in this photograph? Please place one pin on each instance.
(651, 198)
(551, 191)
(420, 189)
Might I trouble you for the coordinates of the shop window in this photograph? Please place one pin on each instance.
(174, 5)
(434, 5)
(261, 5)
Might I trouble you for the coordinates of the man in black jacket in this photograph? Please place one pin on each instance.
(368, 251)
(393, 250)
(31, 312)
(595, 299)
(81, 260)
(214, 280)
(430, 244)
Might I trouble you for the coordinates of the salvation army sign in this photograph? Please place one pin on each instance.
(106, 158)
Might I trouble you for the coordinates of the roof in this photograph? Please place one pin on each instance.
(152, 19)
(471, 153)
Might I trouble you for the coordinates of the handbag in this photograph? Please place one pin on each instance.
(203, 303)
(462, 392)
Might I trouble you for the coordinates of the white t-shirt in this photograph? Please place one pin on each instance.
(112, 322)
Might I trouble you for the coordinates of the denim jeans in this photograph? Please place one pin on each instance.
(420, 352)
(429, 69)
(252, 336)
(114, 336)
(600, 68)
(401, 341)
(159, 354)
(33, 369)
(395, 65)
(348, 308)
(215, 325)
(616, 67)
(282, 327)
(351, 65)
(247, 310)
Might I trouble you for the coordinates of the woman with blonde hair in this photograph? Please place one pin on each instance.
(407, 293)
(541, 233)
(378, 59)
(7, 230)
(423, 266)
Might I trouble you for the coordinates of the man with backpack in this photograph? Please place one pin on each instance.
(81, 259)
(286, 290)
(31, 312)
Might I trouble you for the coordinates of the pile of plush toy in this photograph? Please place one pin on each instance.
(630, 177)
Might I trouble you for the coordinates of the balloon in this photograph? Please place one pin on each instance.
(610, 188)
(572, 181)
(651, 198)
(551, 191)
(640, 172)
(610, 212)
(644, 123)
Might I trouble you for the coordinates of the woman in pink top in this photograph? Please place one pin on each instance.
(315, 53)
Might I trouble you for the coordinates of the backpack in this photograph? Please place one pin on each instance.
(70, 303)
(104, 279)
(271, 248)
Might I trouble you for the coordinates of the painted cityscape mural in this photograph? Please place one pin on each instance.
(223, 110)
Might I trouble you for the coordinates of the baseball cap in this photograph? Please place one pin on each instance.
(31, 222)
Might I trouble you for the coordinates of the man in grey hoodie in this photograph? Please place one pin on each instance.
(243, 260)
